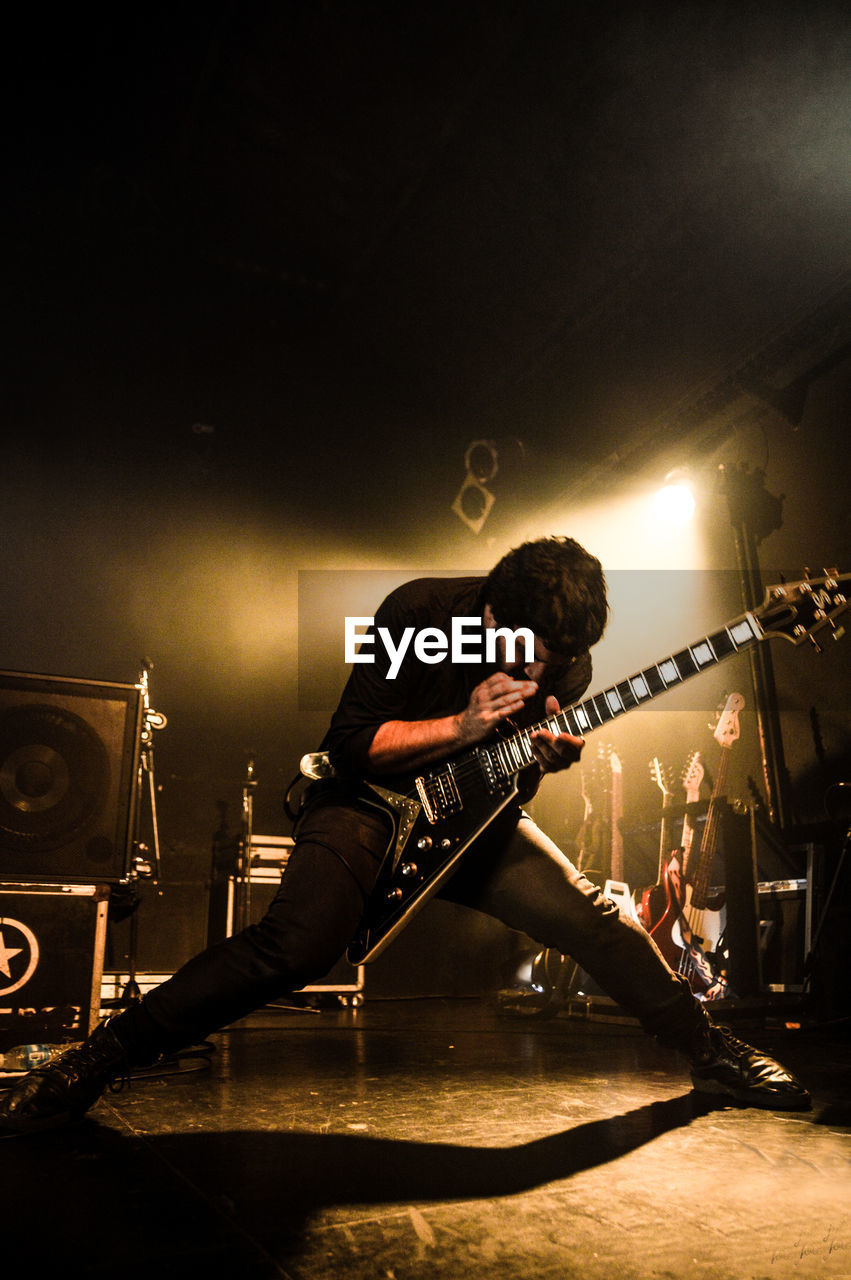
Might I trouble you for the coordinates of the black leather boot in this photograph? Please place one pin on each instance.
(64, 1089)
(722, 1064)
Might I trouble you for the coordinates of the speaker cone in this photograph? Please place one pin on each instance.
(54, 777)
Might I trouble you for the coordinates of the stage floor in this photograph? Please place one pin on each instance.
(435, 1138)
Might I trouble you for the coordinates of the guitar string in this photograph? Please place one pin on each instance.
(708, 648)
(470, 764)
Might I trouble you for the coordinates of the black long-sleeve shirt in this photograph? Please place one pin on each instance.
(422, 691)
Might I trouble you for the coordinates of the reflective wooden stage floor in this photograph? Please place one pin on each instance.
(434, 1138)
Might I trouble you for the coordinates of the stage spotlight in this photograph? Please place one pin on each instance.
(674, 503)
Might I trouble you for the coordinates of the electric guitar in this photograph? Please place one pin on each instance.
(584, 836)
(651, 904)
(615, 887)
(439, 812)
(692, 780)
(690, 933)
(660, 904)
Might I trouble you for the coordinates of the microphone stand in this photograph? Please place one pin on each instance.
(141, 865)
(754, 513)
(243, 871)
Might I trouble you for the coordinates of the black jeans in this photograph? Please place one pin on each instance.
(513, 872)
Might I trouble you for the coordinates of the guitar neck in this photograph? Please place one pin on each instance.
(687, 837)
(583, 835)
(665, 844)
(708, 845)
(507, 756)
(616, 862)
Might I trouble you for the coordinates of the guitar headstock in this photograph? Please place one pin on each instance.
(801, 610)
(607, 765)
(662, 777)
(693, 775)
(727, 729)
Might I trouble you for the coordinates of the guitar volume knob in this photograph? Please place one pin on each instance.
(393, 895)
(425, 842)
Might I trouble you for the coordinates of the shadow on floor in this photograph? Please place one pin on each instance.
(108, 1204)
(321, 1169)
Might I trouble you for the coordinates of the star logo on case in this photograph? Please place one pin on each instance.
(19, 955)
(6, 954)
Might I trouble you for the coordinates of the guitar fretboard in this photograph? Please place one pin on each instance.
(700, 886)
(508, 755)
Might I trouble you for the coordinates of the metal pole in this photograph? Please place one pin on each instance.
(753, 513)
(244, 876)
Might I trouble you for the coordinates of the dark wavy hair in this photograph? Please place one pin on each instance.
(554, 586)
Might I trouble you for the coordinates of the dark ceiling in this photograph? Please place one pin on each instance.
(271, 267)
(279, 232)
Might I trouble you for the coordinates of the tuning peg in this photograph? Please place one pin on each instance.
(815, 644)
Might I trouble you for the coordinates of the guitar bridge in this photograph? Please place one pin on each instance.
(439, 795)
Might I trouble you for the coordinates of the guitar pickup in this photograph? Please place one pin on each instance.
(439, 795)
(496, 770)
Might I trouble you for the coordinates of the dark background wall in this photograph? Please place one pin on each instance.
(271, 268)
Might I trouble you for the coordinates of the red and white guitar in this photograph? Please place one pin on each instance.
(663, 898)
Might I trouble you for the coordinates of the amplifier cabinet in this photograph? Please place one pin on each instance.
(69, 750)
(230, 896)
(51, 961)
(785, 918)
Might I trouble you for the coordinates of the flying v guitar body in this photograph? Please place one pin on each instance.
(427, 843)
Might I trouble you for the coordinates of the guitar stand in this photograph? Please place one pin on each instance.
(769, 922)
